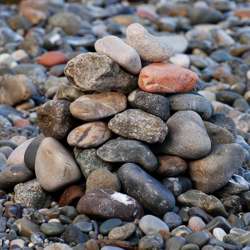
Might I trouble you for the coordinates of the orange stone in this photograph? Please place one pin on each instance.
(243, 13)
(52, 58)
(21, 123)
(166, 78)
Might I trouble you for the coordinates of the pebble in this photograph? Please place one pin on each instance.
(52, 228)
(154, 104)
(187, 136)
(166, 78)
(150, 48)
(181, 60)
(98, 73)
(116, 151)
(107, 203)
(152, 225)
(175, 243)
(142, 126)
(102, 178)
(55, 126)
(108, 225)
(98, 106)
(218, 167)
(26, 227)
(52, 58)
(172, 219)
(58, 246)
(72, 235)
(122, 232)
(198, 238)
(120, 52)
(30, 194)
(140, 185)
(54, 159)
(219, 233)
(196, 198)
(196, 224)
(89, 135)
(151, 242)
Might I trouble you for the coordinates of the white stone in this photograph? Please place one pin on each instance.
(219, 233)
(180, 60)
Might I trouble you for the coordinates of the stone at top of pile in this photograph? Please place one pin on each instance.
(100, 71)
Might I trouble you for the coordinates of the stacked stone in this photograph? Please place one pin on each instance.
(131, 128)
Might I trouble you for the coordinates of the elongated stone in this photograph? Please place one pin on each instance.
(120, 150)
(146, 189)
(98, 106)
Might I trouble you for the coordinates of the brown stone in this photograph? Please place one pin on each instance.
(107, 203)
(70, 194)
(14, 89)
(88, 135)
(98, 106)
(171, 165)
(52, 58)
(166, 78)
(34, 11)
(102, 178)
(54, 118)
(242, 13)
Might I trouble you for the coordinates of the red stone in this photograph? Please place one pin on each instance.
(243, 13)
(166, 78)
(71, 194)
(52, 58)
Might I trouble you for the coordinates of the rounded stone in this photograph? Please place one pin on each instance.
(54, 118)
(196, 224)
(122, 232)
(166, 78)
(108, 225)
(218, 167)
(155, 242)
(55, 167)
(120, 52)
(137, 124)
(97, 106)
(154, 104)
(52, 228)
(89, 135)
(149, 47)
(171, 165)
(187, 136)
(172, 219)
(98, 72)
(219, 233)
(52, 58)
(102, 178)
(120, 150)
(58, 246)
(30, 194)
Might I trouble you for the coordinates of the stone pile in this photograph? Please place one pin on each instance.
(124, 125)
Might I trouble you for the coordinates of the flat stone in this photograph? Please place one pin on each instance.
(166, 78)
(155, 242)
(172, 219)
(137, 124)
(52, 228)
(30, 194)
(214, 171)
(198, 238)
(108, 225)
(120, 52)
(89, 135)
(15, 89)
(102, 178)
(150, 224)
(199, 199)
(88, 161)
(122, 232)
(193, 102)
(154, 104)
(121, 150)
(107, 203)
(97, 106)
(187, 136)
(170, 165)
(98, 73)
(14, 174)
(58, 125)
(58, 246)
(52, 58)
(149, 47)
(55, 167)
(140, 185)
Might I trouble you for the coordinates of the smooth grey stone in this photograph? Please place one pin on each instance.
(52, 228)
(172, 219)
(108, 225)
(140, 185)
(175, 243)
(151, 242)
(72, 235)
(198, 238)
